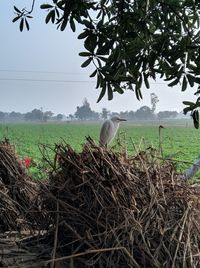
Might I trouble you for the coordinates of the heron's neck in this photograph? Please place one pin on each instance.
(116, 124)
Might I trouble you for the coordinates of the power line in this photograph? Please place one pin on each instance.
(52, 80)
(46, 72)
(57, 80)
(47, 80)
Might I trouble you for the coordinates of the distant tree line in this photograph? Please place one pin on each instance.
(36, 115)
(84, 112)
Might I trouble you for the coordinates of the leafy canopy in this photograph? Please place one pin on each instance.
(130, 42)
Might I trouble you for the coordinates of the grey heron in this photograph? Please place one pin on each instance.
(109, 130)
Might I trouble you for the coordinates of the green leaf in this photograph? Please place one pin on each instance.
(99, 80)
(146, 81)
(45, 6)
(85, 54)
(138, 93)
(184, 84)
(138, 88)
(103, 91)
(86, 63)
(50, 16)
(187, 109)
(53, 16)
(83, 34)
(21, 25)
(99, 24)
(63, 25)
(191, 79)
(90, 42)
(88, 24)
(140, 81)
(94, 73)
(118, 89)
(16, 18)
(72, 24)
(173, 83)
(17, 10)
(103, 58)
(189, 103)
(27, 24)
(110, 92)
(195, 116)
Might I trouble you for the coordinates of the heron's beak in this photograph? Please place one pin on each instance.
(122, 119)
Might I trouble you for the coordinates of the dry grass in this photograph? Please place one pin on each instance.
(110, 210)
(17, 191)
(100, 208)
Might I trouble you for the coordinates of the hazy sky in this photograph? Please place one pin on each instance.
(45, 53)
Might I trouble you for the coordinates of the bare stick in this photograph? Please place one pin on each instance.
(92, 251)
(55, 237)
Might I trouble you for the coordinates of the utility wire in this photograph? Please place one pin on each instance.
(46, 72)
(57, 80)
(46, 80)
(52, 80)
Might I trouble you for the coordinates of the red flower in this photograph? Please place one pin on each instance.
(27, 162)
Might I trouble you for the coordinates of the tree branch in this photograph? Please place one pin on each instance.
(32, 7)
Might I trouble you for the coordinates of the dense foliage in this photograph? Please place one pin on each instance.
(131, 42)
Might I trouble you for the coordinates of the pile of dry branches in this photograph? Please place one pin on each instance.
(109, 210)
(98, 209)
(17, 191)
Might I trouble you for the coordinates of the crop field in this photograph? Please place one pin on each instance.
(179, 142)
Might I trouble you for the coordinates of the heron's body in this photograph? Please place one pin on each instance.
(109, 130)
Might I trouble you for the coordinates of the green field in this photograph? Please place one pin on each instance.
(179, 141)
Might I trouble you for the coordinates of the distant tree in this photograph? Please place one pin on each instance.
(131, 115)
(84, 112)
(167, 114)
(28, 116)
(37, 114)
(34, 115)
(154, 101)
(71, 116)
(95, 115)
(15, 116)
(112, 114)
(124, 114)
(105, 113)
(144, 113)
(47, 115)
(2, 116)
(59, 117)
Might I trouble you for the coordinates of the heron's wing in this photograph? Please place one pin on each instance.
(106, 133)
